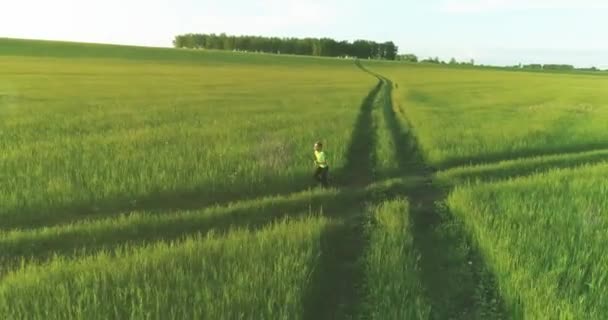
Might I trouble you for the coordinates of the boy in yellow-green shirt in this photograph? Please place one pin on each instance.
(322, 168)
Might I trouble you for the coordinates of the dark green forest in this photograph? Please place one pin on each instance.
(322, 47)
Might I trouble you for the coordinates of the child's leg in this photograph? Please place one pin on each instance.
(324, 175)
(317, 174)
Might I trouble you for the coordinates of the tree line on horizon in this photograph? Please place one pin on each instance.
(562, 67)
(414, 59)
(327, 47)
(321, 47)
(540, 67)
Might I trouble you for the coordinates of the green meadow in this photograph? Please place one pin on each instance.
(468, 115)
(151, 183)
(543, 236)
(86, 136)
(520, 158)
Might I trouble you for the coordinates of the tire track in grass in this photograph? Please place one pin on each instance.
(523, 155)
(159, 202)
(335, 290)
(358, 170)
(509, 169)
(456, 281)
(141, 227)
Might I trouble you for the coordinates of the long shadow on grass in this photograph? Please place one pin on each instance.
(139, 229)
(522, 155)
(519, 168)
(356, 172)
(159, 202)
(334, 293)
(88, 238)
(336, 283)
(457, 282)
(360, 157)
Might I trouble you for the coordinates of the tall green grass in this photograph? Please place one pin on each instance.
(544, 238)
(386, 163)
(74, 50)
(103, 133)
(518, 167)
(143, 227)
(392, 287)
(262, 275)
(466, 115)
(195, 144)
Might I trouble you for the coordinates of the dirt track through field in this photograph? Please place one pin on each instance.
(457, 283)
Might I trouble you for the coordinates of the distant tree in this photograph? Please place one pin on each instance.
(256, 44)
(345, 49)
(228, 42)
(242, 44)
(179, 42)
(453, 61)
(363, 49)
(558, 67)
(317, 49)
(430, 60)
(185, 41)
(389, 51)
(592, 69)
(408, 57)
(326, 47)
(377, 50)
(275, 45)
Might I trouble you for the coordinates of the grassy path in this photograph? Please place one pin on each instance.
(457, 283)
(337, 281)
(339, 275)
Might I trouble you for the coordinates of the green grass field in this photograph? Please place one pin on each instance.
(150, 183)
(89, 136)
(544, 236)
(262, 273)
(467, 116)
(522, 157)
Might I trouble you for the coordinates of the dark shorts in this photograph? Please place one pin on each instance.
(320, 175)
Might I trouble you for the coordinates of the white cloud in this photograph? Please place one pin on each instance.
(480, 6)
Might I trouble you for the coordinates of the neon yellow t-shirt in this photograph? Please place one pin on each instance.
(321, 161)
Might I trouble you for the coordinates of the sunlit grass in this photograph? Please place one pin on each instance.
(392, 288)
(544, 238)
(148, 183)
(468, 115)
(90, 135)
(241, 275)
(519, 167)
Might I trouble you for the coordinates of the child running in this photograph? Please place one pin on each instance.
(322, 169)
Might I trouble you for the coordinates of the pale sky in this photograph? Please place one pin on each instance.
(490, 31)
